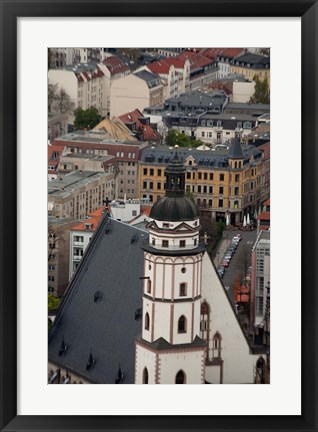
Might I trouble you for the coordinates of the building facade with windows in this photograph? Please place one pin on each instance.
(58, 254)
(80, 236)
(127, 154)
(216, 129)
(260, 279)
(77, 194)
(149, 307)
(224, 180)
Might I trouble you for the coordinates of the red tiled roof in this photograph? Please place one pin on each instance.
(54, 161)
(196, 60)
(266, 148)
(94, 218)
(159, 67)
(176, 62)
(115, 65)
(134, 116)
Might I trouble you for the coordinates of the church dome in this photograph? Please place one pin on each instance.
(174, 209)
(174, 206)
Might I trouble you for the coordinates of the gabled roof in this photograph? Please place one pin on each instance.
(116, 129)
(115, 65)
(159, 67)
(54, 156)
(112, 264)
(93, 219)
(149, 134)
(196, 60)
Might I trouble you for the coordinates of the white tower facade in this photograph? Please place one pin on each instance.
(170, 350)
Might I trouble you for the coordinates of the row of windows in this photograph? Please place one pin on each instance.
(165, 243)
(182, 288)
(182, 323)
(180, 377)
(152, 171)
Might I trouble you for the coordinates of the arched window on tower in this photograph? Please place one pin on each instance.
(148, 286)
(205, 325)
(180, 377)
(216, 346)
(145, 376)
(147, 321)
(182, 324)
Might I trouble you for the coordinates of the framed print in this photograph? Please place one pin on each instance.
(289, 28)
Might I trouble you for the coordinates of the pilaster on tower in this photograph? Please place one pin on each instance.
(172, 289)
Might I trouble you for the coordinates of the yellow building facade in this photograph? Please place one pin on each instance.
(225, 182)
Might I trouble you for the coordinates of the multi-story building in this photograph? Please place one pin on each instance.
(255, 110)
(155, 301)
(87, 162)
(260, 278)
(140, 126)
(127, 154)
(202, 70)
(80, 236)
(216, 129)
(167, 75)
(88, 84)
(78, 193)
(54, 156)
(138, 90)
(58, 254)
(250, 65)
(225, 180)
(223, 58)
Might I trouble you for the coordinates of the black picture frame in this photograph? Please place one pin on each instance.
(10, 11)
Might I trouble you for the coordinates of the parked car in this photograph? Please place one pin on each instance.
(236, 240)
(225, 263)
(227, 257)
(231, 249)
(221, 271)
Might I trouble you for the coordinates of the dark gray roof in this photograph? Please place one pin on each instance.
(236, 149)
(255, 61)
(209, 159)
(112, 264)
(174, 209)
(151, 79)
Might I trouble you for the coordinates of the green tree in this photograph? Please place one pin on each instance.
(53, 302)
(174, 137)
(86, 119)
(261, 91)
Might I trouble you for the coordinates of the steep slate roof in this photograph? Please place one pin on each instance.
(112, 264)
(236, 149)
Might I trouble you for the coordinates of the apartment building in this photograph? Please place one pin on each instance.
(250, 65)
(138, 90)
(127, 154)
(223, 181)
(77, 194)
(80, 235)
(58, 254)
(215, 129)
(260, 279)
(88, 84)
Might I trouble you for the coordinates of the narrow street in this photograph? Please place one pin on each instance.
(233, 270)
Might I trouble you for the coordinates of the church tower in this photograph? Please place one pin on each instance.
(170, 350)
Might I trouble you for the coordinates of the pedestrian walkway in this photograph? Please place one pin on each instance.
(224, 243)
